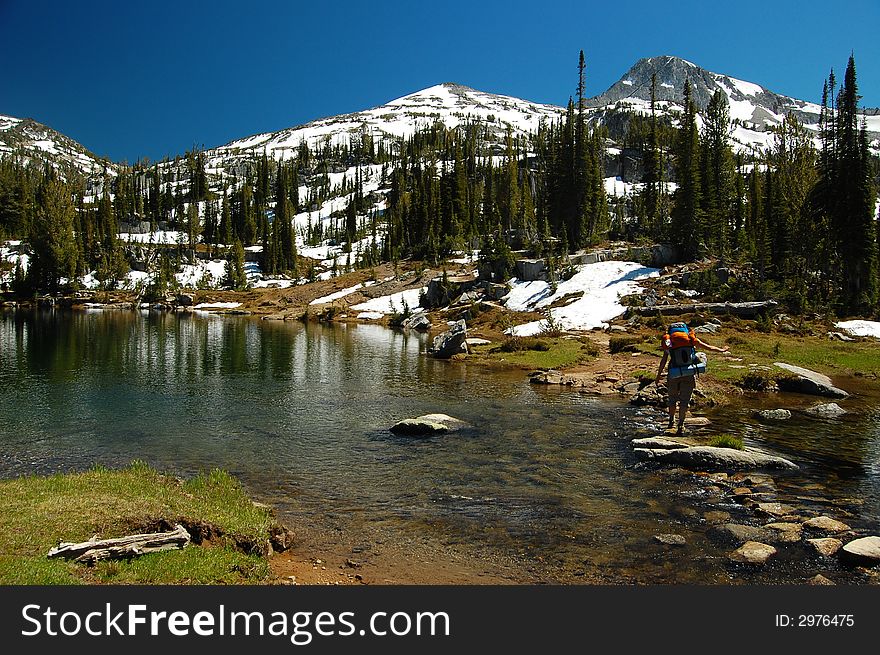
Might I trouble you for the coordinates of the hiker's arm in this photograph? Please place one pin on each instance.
(662, 366)
(710, 347)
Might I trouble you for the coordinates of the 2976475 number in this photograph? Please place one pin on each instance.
(815, 621)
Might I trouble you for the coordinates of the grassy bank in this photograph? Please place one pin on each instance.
(532, 353)
(38, 512)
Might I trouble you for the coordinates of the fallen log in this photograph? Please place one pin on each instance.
(91, 551)
(741, 309)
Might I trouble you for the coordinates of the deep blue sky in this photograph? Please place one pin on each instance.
(150, 79)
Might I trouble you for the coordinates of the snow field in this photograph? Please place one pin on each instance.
(599, 286)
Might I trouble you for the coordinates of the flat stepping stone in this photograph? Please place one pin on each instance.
(864, 551)
(736, 533)
(670, 539)
(753, 552)
(825, 546)
(827, 524)
(712, 458)
(785, 532)
(657, 442)
(775, 509)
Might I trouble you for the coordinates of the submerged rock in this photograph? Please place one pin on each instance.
(809, 382)
(826, 410)
(775, 509)
(773, 414)
(785, 532)
(736, 533)
(427, 425)
(708, 458)
(670, 539)
(752, 552)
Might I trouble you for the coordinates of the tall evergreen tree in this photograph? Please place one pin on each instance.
(687, 216)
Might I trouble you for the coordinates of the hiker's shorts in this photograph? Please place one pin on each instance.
(680, 389)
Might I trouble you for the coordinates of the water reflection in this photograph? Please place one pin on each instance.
(301, 414)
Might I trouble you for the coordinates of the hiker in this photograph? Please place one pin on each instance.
(680, 351)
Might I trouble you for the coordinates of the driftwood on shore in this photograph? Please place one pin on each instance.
(126, 547)
(741, 309)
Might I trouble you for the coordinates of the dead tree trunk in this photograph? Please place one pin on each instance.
(741, 309)
(126, 547)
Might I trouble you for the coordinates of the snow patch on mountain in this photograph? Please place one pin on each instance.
(600, 287)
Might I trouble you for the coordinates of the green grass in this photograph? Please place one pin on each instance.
(623, 343)
(726, 441)
(37, 512)
(560, 353)
(815, 353)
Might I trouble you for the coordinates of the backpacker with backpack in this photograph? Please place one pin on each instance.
(684, 359)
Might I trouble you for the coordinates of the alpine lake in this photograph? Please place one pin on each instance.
(543, 487)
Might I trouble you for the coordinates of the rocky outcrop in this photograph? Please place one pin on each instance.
(808, 382)
(427, 425)
(711, 458)
(443, 290)
(451, 342)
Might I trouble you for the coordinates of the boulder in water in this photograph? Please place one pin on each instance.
(863, 552)
(451, 342)
(809, 382)
(711, 458)
(428, 425)
(752, 552)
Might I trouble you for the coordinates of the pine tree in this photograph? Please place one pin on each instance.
(687, 217)
(235, 278)
(717, 176)
(52, 238)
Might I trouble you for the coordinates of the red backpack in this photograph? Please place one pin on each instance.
(680, 342)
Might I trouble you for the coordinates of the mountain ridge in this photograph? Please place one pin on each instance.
(753, 109)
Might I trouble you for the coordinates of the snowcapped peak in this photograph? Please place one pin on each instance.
(448, 103)
(34, 141)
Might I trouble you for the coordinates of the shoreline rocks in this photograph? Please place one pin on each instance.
(809, 382)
